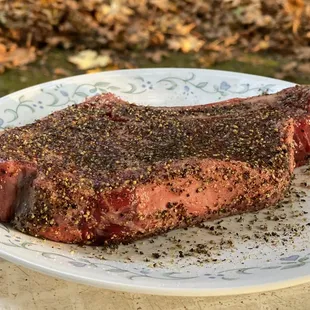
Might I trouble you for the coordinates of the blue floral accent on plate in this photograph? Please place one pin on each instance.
(224, 86)
(291, 258)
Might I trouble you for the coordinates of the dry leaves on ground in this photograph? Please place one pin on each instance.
(221, 27)
(15, 56)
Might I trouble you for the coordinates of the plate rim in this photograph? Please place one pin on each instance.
(128, 71)
(156, 290)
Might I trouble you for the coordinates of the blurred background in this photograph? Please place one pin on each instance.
(41, 40)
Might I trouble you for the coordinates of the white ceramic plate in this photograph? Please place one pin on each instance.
(247, 266)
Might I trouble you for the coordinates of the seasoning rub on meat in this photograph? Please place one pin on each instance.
(107, 171)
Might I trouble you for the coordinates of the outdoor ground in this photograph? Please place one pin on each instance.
(41, 40)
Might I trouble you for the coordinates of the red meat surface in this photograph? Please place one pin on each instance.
(109, 171)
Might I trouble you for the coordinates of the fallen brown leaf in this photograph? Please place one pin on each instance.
(16, 56)
(261, 45)
(290, 66)
(61, 71)
(304, 68)
(116, 11)
(95, 70)
(303, 53)
(186, 44)
(184, 29)
(295, 8)
(156, 56)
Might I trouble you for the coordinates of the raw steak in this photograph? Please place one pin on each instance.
(108, 171)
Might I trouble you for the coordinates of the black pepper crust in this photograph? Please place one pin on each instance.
(104, 135)
(106, 144)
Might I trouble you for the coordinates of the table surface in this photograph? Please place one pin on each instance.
(21, 288)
